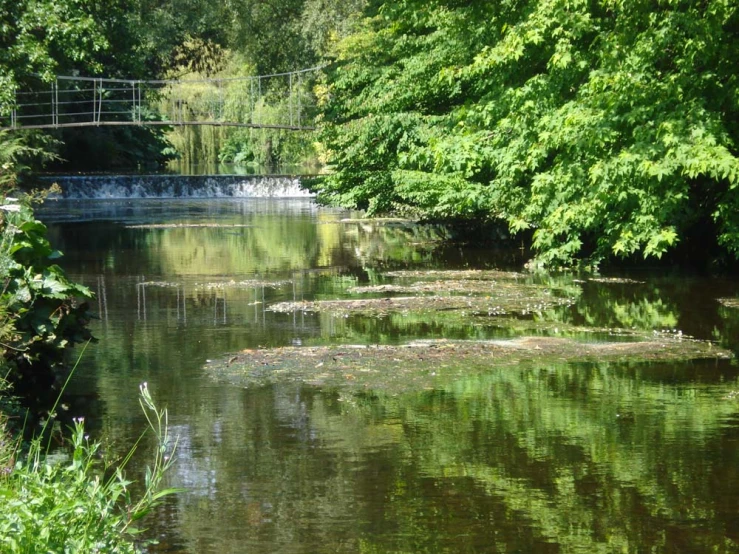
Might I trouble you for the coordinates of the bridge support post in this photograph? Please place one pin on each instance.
(135, 109)
(100, 101)
(300, 94)
(94, 100)
(251, 100)
(55, 103)
(14, 110)
(221, 107)
(290, 100)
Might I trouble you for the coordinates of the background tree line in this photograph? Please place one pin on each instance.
(157, 39)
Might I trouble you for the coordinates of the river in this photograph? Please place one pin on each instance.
(596, 456)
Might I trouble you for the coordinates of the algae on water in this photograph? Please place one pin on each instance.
(473, 305)
(454, 299)
(420, 364)
(488, 292)
(472, 274)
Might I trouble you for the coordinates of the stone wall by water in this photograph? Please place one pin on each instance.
(179, 186)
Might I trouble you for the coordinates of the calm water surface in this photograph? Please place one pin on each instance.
(545, 457)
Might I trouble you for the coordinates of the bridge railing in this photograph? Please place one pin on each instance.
(283, 101)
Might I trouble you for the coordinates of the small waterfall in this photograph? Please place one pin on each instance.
(180, 186)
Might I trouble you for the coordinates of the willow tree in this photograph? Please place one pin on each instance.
(604, 128)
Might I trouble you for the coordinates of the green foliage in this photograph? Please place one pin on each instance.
(273, 149)
(41, 318)
(17, 152)
(11, 148)
(39, 37)
(269, 33)
(77, 504)
(271, 101)
(324, 22)
(605, 129)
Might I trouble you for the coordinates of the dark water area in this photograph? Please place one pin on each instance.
(540, 457)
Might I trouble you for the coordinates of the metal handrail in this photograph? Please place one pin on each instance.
(108, 99)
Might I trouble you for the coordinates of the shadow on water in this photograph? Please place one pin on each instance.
(541, 456)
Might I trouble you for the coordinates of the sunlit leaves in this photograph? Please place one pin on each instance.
(40, 37)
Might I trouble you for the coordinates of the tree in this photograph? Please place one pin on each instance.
(38, 37)
(603, 128)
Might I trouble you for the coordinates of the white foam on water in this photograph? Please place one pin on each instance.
(177, 186)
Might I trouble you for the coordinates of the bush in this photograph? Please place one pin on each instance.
(601, 129)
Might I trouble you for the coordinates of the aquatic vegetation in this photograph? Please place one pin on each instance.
(484, 292)
(502, 289)
(460, 304)
(244, 284)
(401, 221)
(423, 364)
(615, 280)
(247, 283)
(729, 302)
(471, 274)
(376, 307)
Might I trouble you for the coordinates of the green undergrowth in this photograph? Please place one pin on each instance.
(75, 502)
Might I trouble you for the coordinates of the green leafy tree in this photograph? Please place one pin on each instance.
(269, 33)
(39, 37)
(604, 129)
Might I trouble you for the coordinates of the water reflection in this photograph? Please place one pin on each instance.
(580, 458)
(539, 458)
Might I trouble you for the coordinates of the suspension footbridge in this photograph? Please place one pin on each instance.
(277, 101)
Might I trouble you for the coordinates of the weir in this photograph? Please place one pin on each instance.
(179, 186)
